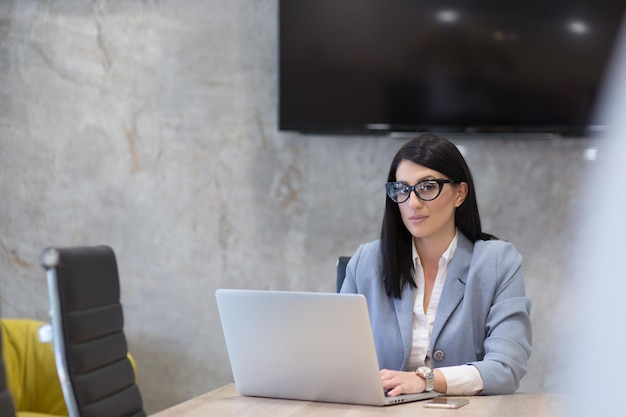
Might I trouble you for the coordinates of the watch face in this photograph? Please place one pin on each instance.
(424, 371)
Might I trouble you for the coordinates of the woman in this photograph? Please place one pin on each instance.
(447, 302)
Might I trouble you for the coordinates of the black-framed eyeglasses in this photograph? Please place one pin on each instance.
(426, 190)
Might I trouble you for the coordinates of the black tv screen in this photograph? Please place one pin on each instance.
(355, 66)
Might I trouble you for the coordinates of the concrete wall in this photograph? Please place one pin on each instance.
(151, 126)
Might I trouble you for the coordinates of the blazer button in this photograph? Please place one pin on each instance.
(439, 355)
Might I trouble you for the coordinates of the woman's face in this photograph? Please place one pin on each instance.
(428, 219)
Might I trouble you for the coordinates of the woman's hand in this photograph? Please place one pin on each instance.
(398, 382)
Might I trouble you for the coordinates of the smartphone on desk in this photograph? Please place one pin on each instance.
(445, 402)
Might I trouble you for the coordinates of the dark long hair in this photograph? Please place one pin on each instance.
(437, 153)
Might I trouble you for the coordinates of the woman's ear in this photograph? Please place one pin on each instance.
(461, 194)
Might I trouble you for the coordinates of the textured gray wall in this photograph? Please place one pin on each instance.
(151, 126)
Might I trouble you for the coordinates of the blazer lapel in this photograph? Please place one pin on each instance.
(454, 286)
(404, 314)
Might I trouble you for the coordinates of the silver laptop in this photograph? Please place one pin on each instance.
(303, 346)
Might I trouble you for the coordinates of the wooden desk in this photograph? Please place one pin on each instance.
(226, 402)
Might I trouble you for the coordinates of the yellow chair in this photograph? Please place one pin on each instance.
(6, 401)
(31, 372)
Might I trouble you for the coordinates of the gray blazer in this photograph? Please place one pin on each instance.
(483, 318)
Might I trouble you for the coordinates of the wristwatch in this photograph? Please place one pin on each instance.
(428, 375)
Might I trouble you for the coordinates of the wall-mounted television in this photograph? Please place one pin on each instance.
(358, 66)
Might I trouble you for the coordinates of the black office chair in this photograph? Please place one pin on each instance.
(88, 338)
(6, 401)
(342, 263)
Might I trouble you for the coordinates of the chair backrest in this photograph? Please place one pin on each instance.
(6, 401)
(88, 333)
(342, 263)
